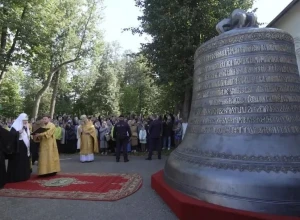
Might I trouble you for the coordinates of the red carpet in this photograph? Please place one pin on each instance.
(187, 208)
(87, 186)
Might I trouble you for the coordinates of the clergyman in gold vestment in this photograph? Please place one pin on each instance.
(88, 140)
(48, 154)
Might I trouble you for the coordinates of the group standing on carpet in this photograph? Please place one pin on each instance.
(22, 149)
(15, 146)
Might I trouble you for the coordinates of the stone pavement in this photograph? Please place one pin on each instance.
(143, 205)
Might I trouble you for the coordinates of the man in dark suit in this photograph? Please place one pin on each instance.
(155, 132)
(122, 133)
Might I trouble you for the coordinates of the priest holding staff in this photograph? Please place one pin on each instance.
(48, 163)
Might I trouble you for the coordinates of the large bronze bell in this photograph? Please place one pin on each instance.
(242, 145)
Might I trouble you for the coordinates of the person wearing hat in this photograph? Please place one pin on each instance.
(122, 133)
(19, 163)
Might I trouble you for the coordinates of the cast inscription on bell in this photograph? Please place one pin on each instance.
(242, 146)
(247, 67)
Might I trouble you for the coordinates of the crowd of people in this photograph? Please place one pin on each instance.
(69, 129)
(87, 135)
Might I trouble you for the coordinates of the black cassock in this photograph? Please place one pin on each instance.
(6, 140)
(19, 167)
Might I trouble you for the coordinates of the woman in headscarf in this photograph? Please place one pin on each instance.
(19, 167)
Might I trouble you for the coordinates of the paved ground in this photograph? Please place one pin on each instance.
(143, 205)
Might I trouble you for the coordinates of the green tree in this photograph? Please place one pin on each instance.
(80, 84)
(14, 23)
(70, 37)
(61, 97)
(103, 97)
(177, 28)
(10, 93)
(30, 86)
(139, 94)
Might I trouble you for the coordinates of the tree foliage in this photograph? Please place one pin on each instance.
(42, 36)
(139, 95)
(53, 58)
(177, 28)
(10, 93)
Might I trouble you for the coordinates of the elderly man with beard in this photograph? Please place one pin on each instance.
(88, 140)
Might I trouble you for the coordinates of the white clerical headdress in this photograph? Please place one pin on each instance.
(18, 123)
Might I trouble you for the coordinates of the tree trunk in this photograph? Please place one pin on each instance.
(41, 92)
(187, 104)
(36, 106)
(3, 36)
(10, 52)
(54, 93)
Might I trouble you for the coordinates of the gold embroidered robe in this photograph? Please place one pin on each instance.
(48, 154)
(88, 142)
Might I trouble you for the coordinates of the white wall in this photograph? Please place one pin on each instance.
(290, 22)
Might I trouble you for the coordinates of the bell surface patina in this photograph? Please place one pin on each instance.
(242, 145)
